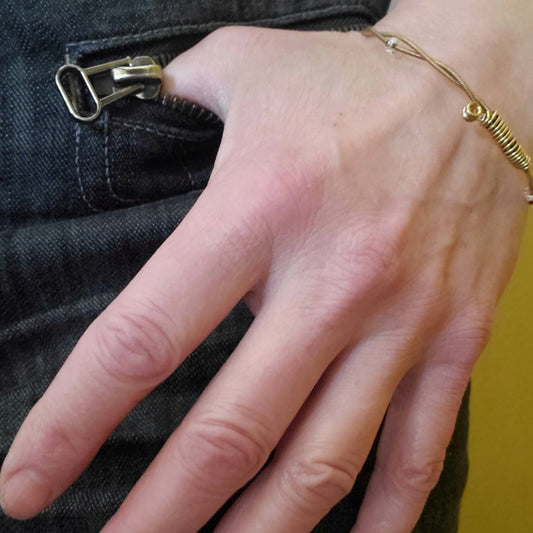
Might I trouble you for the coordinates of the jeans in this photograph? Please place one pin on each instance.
(84, 205)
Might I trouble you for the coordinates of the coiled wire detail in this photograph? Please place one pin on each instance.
(501, 133)
(476, 110)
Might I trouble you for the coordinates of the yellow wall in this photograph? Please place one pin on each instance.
(499, 493)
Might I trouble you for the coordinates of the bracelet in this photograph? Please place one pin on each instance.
(476, 110)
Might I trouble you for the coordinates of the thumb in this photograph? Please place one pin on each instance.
(206, 73)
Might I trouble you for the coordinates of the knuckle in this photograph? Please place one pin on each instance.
(248, 236)
(220, 452)
(133, 346)
(427, 305)
(431, 290)
(283, 186)
(286, 192)
(314, 482)
(468, 335)
(477, 326)
(245, 224)
(416, 476)
(366, 261)
(278, 205)
(244, 245)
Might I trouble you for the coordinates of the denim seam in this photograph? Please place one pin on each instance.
(78, 171)
(112, 191)
(137, 127)
(168, 135)
(169, 30)
(148, 129)
(107, 166)
(155, 131)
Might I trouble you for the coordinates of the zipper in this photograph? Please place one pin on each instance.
(103, 84)
(188, 108)
(86, 91)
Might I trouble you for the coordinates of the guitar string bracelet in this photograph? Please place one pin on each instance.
(476, 110)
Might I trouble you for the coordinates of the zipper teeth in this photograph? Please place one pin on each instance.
(186, 107)
(180, 104)
(164, 58)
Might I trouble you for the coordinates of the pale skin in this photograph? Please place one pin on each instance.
(370, 230)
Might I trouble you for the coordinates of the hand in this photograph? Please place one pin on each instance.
(357, 214)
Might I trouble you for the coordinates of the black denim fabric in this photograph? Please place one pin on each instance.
(83, 206)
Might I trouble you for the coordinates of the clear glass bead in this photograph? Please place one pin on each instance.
(392, 44)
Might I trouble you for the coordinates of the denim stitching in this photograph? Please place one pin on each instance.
(168, 135)
(155, 131)
(288, 18)
(149, 130)
(106, 163)
(106, 147)
(78, 171)
(77, 130)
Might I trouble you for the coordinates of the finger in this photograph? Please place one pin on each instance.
(232, 429)
(181, 294)
(317, 463)
(206, 73)
(417, 430)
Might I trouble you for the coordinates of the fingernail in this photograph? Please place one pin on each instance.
(24, 494)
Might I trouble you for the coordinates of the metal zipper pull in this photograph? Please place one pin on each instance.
(87, 91)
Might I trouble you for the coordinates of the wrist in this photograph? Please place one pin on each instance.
(489, 50)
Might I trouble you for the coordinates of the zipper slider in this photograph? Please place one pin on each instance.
(87, 91)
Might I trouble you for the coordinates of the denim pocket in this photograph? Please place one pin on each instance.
(141, 155)
(141, 151)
